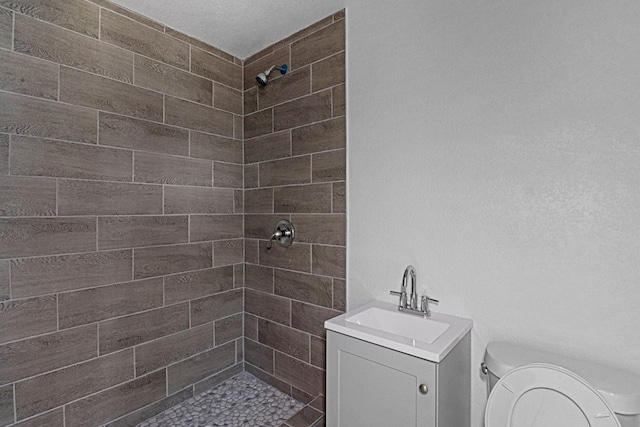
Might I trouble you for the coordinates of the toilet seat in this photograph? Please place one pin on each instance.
(539, 394)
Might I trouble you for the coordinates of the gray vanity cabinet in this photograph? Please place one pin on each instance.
(372, 386)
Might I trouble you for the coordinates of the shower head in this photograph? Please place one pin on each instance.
(262, 78)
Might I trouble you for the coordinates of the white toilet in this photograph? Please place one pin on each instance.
(538, 389)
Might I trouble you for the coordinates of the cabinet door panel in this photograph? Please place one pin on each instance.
(369, 385)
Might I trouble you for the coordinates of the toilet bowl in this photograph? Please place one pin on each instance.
(536, 388)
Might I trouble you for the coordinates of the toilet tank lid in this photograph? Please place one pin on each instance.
(620, 388)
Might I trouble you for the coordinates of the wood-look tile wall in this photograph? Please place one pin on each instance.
(294, 152)
(121, 215)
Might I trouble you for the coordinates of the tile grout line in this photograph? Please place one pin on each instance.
(331, 107)
(164, 292)
(166, 381)
(298, 98)
(134, 362)
(59, 83)
(98, 356)
(15, 404)
(290, 313)
(316, 122)
(10, 284)
(213, 95)
(333, 293)
(145, 119)
(311, 259)
(133, 70)
(113, 387)
(97, 231)
(311, 182)
(57, 312)
(126, 215)
(331, 200)
(100, 286)
(10, 144)
(13, 31)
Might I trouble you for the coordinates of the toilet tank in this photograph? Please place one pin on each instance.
(621, 389)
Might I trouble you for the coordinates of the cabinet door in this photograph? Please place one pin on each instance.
(372, 386)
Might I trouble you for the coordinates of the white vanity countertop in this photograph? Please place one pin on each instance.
(434, 351)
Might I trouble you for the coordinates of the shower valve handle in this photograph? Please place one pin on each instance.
(283, 234)
(277, 235)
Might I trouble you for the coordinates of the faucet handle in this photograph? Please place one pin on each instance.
(431, 300)
(403, 298)
(424, 304)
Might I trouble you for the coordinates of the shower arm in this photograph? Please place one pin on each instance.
(282, 68)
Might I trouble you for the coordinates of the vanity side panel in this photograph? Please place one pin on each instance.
(454, 381)
(370, 385)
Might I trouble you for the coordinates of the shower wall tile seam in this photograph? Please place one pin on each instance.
(192, 355)
(305, 184)
(100, 111)
(297, 98)
(106, 77)
(286, 41)
(290, 300)
(21, 12)
(308, 273)
(97, 287)
(211, 107)
(306, 362)
(65, 405)
(297, 128)
(305, 273)
(44, 334)
(293, 300)
(181, 396)
(114, 216)
(177, 362)
(104, 4)
(46, 373)
(328, 150)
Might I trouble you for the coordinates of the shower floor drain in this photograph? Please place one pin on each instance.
(242, 400)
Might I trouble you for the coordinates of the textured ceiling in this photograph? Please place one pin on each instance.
(238, 27)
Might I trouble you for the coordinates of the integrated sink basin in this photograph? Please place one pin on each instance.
(394, 322)
(381, 323)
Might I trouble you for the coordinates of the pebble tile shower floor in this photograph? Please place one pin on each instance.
(242, 400)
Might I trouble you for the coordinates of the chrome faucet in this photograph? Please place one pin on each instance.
(410, 272)
(410, 305)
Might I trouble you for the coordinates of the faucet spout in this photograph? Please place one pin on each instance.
(410, 273)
